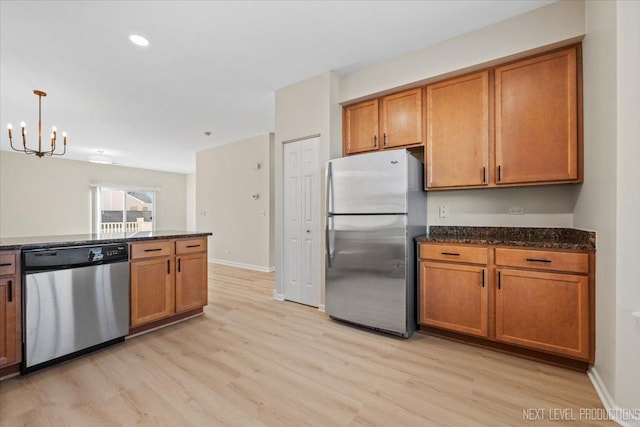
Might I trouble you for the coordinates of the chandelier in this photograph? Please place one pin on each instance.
(39, 152)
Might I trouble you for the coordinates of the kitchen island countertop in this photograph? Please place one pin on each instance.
(42, 242)
(529, 237)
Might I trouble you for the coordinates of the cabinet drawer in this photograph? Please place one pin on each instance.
(7, 264)
(150, 249)
(191, 245)
(457, 253)
(543, 260)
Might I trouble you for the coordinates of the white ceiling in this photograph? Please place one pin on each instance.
(211, 65)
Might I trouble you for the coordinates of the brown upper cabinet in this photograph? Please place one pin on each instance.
(512, 125)
(401, 123)
(360, 125)
(536, 119)
(392, 121)
(457, 120)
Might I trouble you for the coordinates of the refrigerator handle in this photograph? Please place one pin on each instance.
(327, 243)
(327, 239)
(328, 189)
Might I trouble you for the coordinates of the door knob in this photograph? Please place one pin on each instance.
(308, 231)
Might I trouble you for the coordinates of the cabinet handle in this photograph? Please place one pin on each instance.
(539, 260)
(483, 277)
(179, 265)
(5, 264)
(384, 138)
(153, 250)
(193, 246)
(375, 141)
(484, 174)
(449, 253)
(10, 290)
(168, 266)
(499, 281)
(499, 173)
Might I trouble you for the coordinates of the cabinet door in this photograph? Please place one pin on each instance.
(152, 290)
(454, 296)
(191, 282)
(457, 149)
(536, 123)
(543, 311)
(9, 321)
(361, 127)
(402, 119)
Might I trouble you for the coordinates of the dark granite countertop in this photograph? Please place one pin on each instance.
(41, 242)
(528, 237)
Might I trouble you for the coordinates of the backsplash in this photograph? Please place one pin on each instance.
(540, 206)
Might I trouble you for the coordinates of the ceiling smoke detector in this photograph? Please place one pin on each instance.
(100, 158)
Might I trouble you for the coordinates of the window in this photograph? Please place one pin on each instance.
(119, 210)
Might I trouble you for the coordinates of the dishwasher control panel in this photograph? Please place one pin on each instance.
(35, 260)
(107, 252)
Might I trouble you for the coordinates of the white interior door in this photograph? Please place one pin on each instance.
(302, 221)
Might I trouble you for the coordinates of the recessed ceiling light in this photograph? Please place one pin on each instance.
(138, 40)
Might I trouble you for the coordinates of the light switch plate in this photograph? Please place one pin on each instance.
(443, 212)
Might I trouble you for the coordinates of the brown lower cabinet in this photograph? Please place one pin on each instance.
(544, 311)
(152, 290)
(540, 300)
(10, 293)
(453, 289)
(190, 276)
(168, 277)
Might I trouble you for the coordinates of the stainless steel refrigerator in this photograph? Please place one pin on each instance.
(376, 205)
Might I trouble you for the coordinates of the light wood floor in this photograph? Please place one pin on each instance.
(254, 361)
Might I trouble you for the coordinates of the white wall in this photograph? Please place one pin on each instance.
(628, 207)
(190, 194)
(516, 37)
(543, 206)
(596, 204)
(610, 198)
(52, 196)
(225, 183)
(302, 110)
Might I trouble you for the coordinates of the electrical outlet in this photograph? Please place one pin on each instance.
(226, 251)
(443, 212)
(516, 210)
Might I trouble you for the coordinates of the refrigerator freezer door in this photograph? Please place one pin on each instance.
(366, 270)
(368, 183)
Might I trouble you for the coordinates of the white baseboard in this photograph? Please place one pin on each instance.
(277, 296)
(242, 265)
(321, 308)
(608, 402)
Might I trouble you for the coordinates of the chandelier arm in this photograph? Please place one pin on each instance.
(11, 143)
(63, 152)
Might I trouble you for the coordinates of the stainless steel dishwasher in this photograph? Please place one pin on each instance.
(76, 299)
